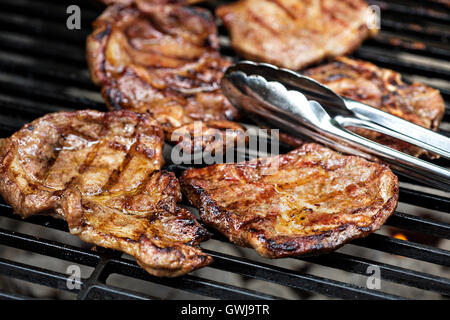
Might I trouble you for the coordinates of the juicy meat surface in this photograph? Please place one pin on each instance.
(129, 2)
(101, 172)
(160, 59)
(307, 201)
(211, 138)
(295, 33)
(383, 89)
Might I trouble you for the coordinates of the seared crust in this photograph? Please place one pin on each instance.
(295, 33)
(160, 59)
(129, 2)
(308, 201)
(212, 137)
(383, 89)
(101, 172)
(144, 222)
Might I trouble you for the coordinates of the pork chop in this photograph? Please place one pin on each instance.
(129, 2)
(163, 60)
(307, 201)
(295, 33)
(102, 173)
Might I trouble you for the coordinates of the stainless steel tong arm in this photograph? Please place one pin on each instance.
(400, 128)
(292, 112)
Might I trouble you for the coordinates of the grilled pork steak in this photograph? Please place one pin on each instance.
(128, 2)
(304, 202)
(295, 33)
(383, 89)
(101, 172)
(160, 59)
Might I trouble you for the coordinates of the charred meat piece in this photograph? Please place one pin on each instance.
(383, 89)
(160, 59)
(295, 33)
(101, 172)
(307, 201)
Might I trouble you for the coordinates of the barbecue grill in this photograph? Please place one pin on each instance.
(43, 69)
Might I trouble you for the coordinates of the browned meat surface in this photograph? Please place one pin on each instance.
(160, 59)
(213, 137)
(295, 33)
(128, 2)
(383, 89)
(307, 201)
(101, 172)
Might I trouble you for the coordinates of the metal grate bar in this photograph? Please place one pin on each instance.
(35, 275)
(95, 287)
(100, 291)
(425, 200)
(51, 11)
(42, 48)
(411, 27)
(294, 279)
(392, 273)
(35, 26)
(49, 248)
(45, 70)
(411, 45)
(405, 248)
(26, 108)
(384, 58)
(418, 224)
(47, 92)
(412, 10)
(121, 266)
(188, 283)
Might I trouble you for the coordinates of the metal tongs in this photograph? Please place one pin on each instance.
(304, 108)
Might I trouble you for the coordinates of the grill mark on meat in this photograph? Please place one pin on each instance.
(262, 23)
(115, 175)
(150, 2)
(305, 32)
(163, 60)
(315, 208)
(116, 195)
(90, 157)
(50, 165)
(284, 8)
(162, 54)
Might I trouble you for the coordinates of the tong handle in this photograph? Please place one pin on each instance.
(268, 98)
(365, 124)
(399, 128)
(403, 163)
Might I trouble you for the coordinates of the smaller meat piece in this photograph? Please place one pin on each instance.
(307, 201)
(383, 89)
(129, 2)
(212, 137)
(162, 60)
(295, 33)
(101, 172)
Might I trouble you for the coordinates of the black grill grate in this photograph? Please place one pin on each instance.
(43, 69)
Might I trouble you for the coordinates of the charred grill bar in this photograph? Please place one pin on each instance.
(42, 70)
